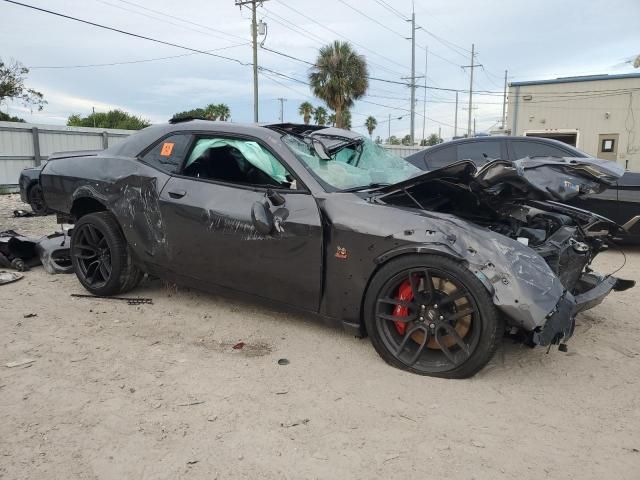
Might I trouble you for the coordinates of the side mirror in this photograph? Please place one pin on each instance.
(262, 218)
(276, 199)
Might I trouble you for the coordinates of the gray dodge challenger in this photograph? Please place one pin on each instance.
(435, 267)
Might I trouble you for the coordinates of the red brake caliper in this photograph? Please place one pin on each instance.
(405, 294)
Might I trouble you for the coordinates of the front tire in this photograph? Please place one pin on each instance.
(430, 315)
(101, 257)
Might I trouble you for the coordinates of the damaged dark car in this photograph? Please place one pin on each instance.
(434, 267)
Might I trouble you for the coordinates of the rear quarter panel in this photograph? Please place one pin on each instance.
(123, 185)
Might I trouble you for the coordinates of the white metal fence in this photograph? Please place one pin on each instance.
(25, 145)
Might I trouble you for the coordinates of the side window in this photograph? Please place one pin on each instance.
(441, 157)
(238, 161)
(168, 154)
(479, 152)
(523, 148)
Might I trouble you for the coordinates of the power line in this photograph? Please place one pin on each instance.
(290, 26)
(340, 35)
(386, 27)
(39, 67)
(391, 9)
(156, 18)
(181, 19)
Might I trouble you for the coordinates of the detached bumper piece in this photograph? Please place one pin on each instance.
(593, 289)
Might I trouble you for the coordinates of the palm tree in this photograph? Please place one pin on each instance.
(320, 116)
(346, 120)
(371, 124)
(219, 111)
(306, 110)
(224, 112)
(332, 119)
(339, 77)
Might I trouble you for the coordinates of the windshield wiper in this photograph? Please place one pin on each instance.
(370, 186)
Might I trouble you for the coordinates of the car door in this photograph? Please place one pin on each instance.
(212, 237)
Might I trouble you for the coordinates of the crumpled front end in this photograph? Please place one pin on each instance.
(533, 256)
(560, 322)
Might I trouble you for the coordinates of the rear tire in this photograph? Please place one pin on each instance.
(101, 257)
(36, 201)
(450, 329)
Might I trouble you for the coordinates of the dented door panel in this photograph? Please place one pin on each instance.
(211, 237)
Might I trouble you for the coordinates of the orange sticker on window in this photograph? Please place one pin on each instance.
(167, 148)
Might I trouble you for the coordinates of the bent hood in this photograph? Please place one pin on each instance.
(540, 178)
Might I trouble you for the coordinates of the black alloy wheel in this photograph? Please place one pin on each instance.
(93, 256)
(432, 317)
(102, 260)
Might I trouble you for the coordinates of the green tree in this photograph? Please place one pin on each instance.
(406, 140)
(346, 120)
(371, 124)
(393, 140)
(339, 77)
(4, 117)
(320, 116)
(220, 111)
(332, 120)
(431, 140)
(378, 140)
(12, 87)
(306, 110)
(195, 113)
(111, 119)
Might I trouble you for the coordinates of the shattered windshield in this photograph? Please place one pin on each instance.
(358, 165)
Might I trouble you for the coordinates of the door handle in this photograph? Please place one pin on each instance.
(177, 193)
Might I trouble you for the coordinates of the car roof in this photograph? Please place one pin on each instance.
(460, 141)
(140, 140)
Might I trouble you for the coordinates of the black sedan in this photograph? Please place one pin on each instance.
(620, 202)
(434, 266)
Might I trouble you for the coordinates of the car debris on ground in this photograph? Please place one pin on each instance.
(22, 253)
(9, 277)
(129, 300)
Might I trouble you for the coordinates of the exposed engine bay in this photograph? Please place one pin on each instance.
(503, 201)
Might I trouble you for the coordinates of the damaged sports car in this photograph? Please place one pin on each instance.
(434, 267)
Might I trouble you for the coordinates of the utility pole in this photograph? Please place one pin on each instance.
(455, 122)
(504, 103)
(254, 40)
(413, 75)
(439, 132)
(471, 89)
(389, 137)
(93, 111)
(424, 103)
(282, 100)
(474, 126)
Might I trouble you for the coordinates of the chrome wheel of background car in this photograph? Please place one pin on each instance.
(92, 255)
(428, 319)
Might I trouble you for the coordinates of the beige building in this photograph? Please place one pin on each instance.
(599, 114)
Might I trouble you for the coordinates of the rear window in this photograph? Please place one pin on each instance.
(168, 154)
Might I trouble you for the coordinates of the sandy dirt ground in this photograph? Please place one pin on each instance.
(117, 391)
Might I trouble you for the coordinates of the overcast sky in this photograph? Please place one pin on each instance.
(533, 40)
